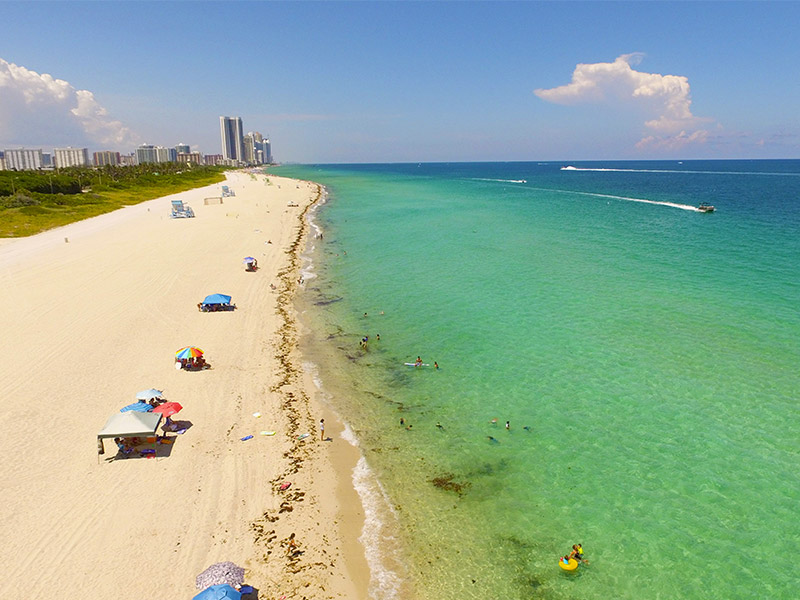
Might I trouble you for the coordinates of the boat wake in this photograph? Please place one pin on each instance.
(500, 180)
(602, 170)
(625, 198)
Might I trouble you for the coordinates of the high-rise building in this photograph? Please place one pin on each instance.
(232, 138)
(194, 158)
(147, 153)
(106, 158)
(249, 149)
(266, 148)
(182, 148)
(22, 159)
(212, 159)
(71, 157)
(2, 161)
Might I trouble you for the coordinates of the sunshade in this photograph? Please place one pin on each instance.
(168, 409)
(217, 299)
(219, 592)
(136, 407)
(149, 394)
(249, 259)
(131, 424)
(220, 573)
(188, 352)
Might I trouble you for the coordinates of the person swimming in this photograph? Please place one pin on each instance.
(577, 553)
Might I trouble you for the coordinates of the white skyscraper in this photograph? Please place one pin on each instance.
(71, 157)
(22, 159)
(232, 138)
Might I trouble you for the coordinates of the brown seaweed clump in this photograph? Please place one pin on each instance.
(446, 482)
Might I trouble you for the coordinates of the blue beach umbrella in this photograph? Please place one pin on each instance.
(137, 407)
(219, 592)
(249, 259)
(149, 394)
(217, 299)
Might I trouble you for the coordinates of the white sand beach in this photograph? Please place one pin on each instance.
(93, 313)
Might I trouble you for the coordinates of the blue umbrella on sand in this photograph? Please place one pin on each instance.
(137, 407)
(219, 592)
(217, 299)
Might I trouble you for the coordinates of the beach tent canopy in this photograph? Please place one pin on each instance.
(131, 424)
(219, 592)
(217, 299)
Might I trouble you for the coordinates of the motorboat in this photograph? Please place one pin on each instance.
(706, 207)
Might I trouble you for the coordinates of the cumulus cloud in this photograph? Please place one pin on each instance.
(37, 109)
(674, 142)
(666, 98)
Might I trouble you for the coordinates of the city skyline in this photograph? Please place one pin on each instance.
(435, 82)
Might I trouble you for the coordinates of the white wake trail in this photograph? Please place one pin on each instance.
(626, 198)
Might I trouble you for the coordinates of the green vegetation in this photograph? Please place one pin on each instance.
(34, 201)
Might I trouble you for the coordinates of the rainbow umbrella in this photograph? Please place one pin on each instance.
(168, 409)
(188, 352)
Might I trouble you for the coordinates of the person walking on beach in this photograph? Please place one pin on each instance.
(322, 430)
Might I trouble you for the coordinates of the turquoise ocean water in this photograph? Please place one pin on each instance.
(646, 355)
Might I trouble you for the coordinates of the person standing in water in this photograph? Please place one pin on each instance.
(418, 362)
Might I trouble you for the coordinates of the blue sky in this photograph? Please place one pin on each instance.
(407, 81)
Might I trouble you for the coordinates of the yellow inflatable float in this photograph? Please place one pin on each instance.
(568, 566)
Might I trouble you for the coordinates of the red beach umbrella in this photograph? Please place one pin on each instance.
(168, 408)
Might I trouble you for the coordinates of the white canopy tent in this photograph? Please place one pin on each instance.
(129, 424)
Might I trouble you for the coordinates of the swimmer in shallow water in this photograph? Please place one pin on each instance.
(577, 554)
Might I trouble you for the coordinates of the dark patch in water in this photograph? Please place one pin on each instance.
(445, 482)
(328, 301)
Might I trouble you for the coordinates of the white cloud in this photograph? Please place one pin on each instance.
(667, 98)
(674, 142)
(37, 109)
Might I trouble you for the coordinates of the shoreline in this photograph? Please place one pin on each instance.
(101, 313)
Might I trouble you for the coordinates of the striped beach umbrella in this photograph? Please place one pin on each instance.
(188, 352)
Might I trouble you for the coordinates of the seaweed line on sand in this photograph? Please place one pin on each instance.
(300, 576)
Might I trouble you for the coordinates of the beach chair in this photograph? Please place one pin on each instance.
(181, 210)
